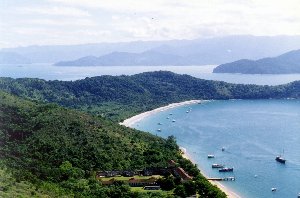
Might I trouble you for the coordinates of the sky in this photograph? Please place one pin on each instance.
(66, 22)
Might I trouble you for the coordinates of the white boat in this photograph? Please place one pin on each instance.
(159, 123)
(273, 189)
(210, 156)
(217, 166)
(299, 195)
(173, 120)
(158, 129)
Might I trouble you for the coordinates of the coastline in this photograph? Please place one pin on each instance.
(131, 121)
(227, 191)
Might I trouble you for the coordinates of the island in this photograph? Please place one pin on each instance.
(287, 63)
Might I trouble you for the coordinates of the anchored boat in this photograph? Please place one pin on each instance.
(210, 156)
(280, 159)
(226, 170)
(217, 166)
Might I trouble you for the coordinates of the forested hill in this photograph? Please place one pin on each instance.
(58, 150)
(287, 63)
(119, 97)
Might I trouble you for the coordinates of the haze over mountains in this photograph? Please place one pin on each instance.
(147, 58)
(287, 63)
(13, 58)
(174, 52)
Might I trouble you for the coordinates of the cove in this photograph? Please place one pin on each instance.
(253, 133)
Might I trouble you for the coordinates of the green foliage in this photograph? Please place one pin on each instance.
(11, 188)
(119, 97)
(166, 183)
(180, 191)
(54, 144)
(190, 188)
(206, 189)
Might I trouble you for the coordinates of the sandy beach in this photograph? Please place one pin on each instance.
(228, 192)
(131, 121)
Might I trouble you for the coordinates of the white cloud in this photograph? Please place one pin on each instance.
(54, 10)
(64, 22)
(124, 20)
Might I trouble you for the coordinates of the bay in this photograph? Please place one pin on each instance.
(50, 72)
(253, 133)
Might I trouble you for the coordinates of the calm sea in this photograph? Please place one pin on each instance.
(252, 132)
(49, 72)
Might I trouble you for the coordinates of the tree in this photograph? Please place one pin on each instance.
(190, 188)
(180, 191)
(166, 183)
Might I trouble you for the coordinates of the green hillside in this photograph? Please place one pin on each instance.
(119, 97)
(48, 150)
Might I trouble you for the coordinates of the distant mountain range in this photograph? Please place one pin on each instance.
(177, 52)
(284, 64)
(125, 59)
(13, 58)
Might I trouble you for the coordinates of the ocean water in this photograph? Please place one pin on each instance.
(253, 133)
(50, 72)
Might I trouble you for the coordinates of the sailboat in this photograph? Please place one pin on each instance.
(280, 159)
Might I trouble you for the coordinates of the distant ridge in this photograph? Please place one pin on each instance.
(204, 51)
(125, 59)
(13, 58)
(287, 63)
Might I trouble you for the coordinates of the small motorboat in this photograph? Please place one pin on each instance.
(223, 149)
(273, 189)
(226, 170)
(217, 166)
(173, 120)
(299, 195)
(159, 130)
(210, 156)
(159, 123)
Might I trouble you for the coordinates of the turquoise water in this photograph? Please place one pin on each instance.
(253, 132)
(49, 72)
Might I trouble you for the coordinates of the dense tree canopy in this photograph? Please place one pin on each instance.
(119, 97)
(59, 149)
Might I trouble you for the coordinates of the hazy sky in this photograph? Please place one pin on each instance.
(41, 22)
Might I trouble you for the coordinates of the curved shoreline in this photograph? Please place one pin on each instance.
(131, 121)
(227, 191)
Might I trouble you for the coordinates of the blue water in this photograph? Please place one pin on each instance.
(253, 132)
(49, 72)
